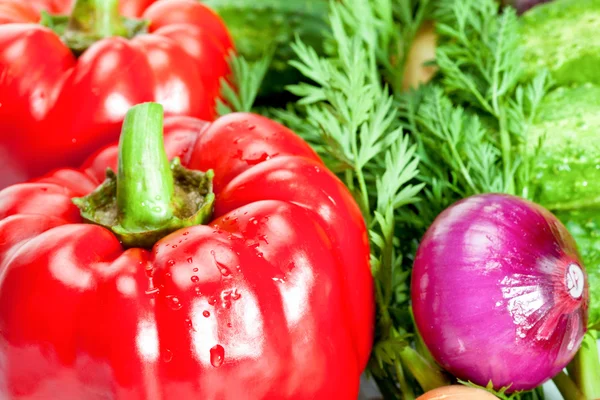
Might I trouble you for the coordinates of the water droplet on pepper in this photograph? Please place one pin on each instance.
(217, 356)
(174, 302)
(167, 355)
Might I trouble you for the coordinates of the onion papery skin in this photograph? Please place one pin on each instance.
(499, 292)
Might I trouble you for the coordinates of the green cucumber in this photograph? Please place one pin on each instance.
(258, 26)
(569, 167)
(584, 225)
(568, 172)
(563, 36)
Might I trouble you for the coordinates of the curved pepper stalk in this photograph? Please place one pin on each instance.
(90, 21)
(99, 18)
(149, 197)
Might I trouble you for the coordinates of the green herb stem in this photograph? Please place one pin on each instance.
(385, 320)
(364, 200)
(584, 370)
(388, 388)
(455, 155)
(429, 376)
(407, 392)
(506, 147)
(387, 260)
(420, 345)
(462, 167)
(567, 387)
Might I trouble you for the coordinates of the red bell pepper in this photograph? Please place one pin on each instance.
(270, 297)
(65, 87)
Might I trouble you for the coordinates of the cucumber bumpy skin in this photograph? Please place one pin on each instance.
(584, 225)
(569, 168)
(562, 36)
(257, 26)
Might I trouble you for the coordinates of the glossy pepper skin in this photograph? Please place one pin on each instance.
(272, 299)
(56, 109)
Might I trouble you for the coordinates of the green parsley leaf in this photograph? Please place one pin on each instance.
(479, 61)
(246, 78)
(537, 394)
(472, 124)
(352, 117)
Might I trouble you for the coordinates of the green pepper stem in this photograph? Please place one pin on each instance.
(144, 179)
(584, 370)
(149, 197)
(97, 18)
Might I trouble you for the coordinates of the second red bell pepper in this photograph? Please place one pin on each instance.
(67, 82)
(270, 297)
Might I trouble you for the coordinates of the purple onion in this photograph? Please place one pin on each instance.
(499, 292)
